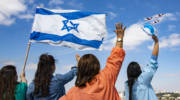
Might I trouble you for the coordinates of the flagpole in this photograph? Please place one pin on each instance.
(27, 54)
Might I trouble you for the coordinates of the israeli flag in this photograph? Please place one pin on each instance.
(69, 28)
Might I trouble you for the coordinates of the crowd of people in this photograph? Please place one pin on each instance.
(91, 82)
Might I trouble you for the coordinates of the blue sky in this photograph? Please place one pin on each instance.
(16, 18)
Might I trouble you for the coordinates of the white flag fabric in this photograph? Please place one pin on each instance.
(69, 28)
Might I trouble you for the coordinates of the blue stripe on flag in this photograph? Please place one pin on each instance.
(69, 16)
(38, 36)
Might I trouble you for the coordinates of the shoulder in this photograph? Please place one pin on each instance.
(154, 61)
(140, 79)
(57, 77)
(73, 90)
(21, 86)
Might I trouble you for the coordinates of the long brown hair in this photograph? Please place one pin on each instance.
(133, 72)
(88, 68)
(44, 73)
(8, 82)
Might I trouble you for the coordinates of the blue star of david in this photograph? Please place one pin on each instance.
(69, 28)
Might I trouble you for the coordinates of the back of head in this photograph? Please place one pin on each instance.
(88, 68)
(133, 72)
(8, 82)
(43, 75)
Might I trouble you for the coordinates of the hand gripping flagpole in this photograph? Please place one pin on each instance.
(27, 54)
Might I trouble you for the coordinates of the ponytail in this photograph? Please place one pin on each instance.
(130, 85)
(133, 72)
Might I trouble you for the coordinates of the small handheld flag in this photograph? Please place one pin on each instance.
(69, 28)
(149, 29)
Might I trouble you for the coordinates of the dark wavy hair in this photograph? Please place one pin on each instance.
(133, 72)
(43, 75)
(8, 82)
(88, 68)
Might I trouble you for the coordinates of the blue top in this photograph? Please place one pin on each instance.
(56, 87)
(142, 88)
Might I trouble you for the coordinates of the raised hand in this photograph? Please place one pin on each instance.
(120, 30)
(120, 34)
(77, 58)
(155, 38)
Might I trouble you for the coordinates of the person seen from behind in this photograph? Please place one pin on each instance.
(93, 84)
(10, 88)
(138, 86)
(45, 85)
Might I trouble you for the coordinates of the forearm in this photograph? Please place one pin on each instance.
(23, 78)
(69, 75)
(119, 44)
(156, 49)
(113, 64)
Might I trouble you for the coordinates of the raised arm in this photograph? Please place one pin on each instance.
(150, 69)
(71, 74)
(156, 46)
(23, 78)
(114, 61)
(120, 35)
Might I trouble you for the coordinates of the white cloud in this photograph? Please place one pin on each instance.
(108, 44)
(150, 47)
(171, 27)
(166, 17)
(6, 21)
(133, 37)
(26, 16)
(31, 66)
(56, 2)
(8, 8)
(169, 16)
(172, 40)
